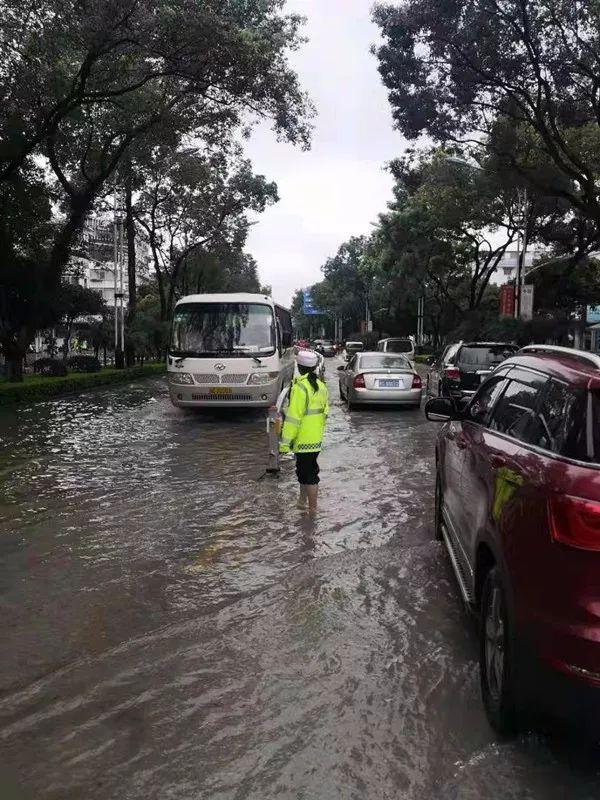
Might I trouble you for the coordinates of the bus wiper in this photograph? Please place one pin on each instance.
(258, 361)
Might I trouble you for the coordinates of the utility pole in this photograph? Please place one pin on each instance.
(118, 280)
(368, 320)
(420, 319)
(121, 291)
(115, 258)
(522, 253)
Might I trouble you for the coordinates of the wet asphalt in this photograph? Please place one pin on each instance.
(172, 627)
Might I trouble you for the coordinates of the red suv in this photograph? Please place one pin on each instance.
(518, 507)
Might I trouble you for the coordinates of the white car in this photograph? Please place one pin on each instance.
(351, 348)
(401, 344)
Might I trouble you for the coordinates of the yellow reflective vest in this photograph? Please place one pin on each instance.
(305, 417)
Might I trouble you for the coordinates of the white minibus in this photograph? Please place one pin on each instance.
(229, 350)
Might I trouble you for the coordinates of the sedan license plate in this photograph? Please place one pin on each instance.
(389, 384)
(221, 391)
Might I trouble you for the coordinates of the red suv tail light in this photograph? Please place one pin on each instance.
(417, 382)
(575, 522)
(359, 382)
(452, 373)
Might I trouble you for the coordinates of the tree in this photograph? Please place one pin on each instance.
(223, 268)
(344, 292)
(72, 302)
(81, 83)
(26, 230)
(560, 288)
(228, 54)
(101, 333)
(455, 70)
(442, 239)
(196, 203)
(148, 331)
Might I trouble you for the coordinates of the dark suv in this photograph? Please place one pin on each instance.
(463, 367)
(518, 507)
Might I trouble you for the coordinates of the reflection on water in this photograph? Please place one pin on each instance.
(174, 628)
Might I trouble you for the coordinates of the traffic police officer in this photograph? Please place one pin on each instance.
(304, 425)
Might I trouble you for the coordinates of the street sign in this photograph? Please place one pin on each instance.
(308, 307)
(507, 300)
(527, 301)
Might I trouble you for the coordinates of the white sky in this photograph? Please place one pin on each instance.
(336, 189)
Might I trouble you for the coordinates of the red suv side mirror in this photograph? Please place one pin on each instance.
(440, 409)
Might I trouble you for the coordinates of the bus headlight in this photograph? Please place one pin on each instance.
(181, 378)
(260, 378)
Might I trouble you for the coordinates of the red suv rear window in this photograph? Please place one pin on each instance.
(561, 424)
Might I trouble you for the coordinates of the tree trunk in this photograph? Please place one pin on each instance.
(131, 261)
(69, 327)
(161, 289)
(81, 205)
(14, 353)
(14, 369)
(104, 358)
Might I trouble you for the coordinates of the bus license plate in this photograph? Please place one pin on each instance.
(220, 391)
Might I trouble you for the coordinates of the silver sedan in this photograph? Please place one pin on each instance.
(380, 378)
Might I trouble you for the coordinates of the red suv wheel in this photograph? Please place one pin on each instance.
(496, 657)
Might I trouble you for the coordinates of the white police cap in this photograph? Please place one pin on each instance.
(307, 358)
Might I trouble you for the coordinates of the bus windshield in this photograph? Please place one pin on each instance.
(234, 329)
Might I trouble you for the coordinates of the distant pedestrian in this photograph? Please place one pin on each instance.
(304, 425)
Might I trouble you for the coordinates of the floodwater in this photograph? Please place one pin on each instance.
(172, 627)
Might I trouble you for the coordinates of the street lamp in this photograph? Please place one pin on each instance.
(521, 251)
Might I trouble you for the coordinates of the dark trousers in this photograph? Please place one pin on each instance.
(307, 469)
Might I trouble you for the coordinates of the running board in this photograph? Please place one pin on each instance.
(458, 571)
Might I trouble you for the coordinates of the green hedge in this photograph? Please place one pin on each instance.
(36, 387)
(422, 359)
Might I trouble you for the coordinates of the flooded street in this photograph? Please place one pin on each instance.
(174, 628)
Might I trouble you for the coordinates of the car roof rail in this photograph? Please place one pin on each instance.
(580, 355)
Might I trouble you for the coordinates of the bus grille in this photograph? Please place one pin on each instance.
(221, 397)
(226, 380)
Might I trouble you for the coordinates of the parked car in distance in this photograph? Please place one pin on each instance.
(517, 503)
(463, 367)
(351, 348)
(404, 345)
(325, 347)
(380, 378)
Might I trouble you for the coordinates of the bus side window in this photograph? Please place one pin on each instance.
(284, 320)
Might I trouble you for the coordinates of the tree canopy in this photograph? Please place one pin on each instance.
(494, 72)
